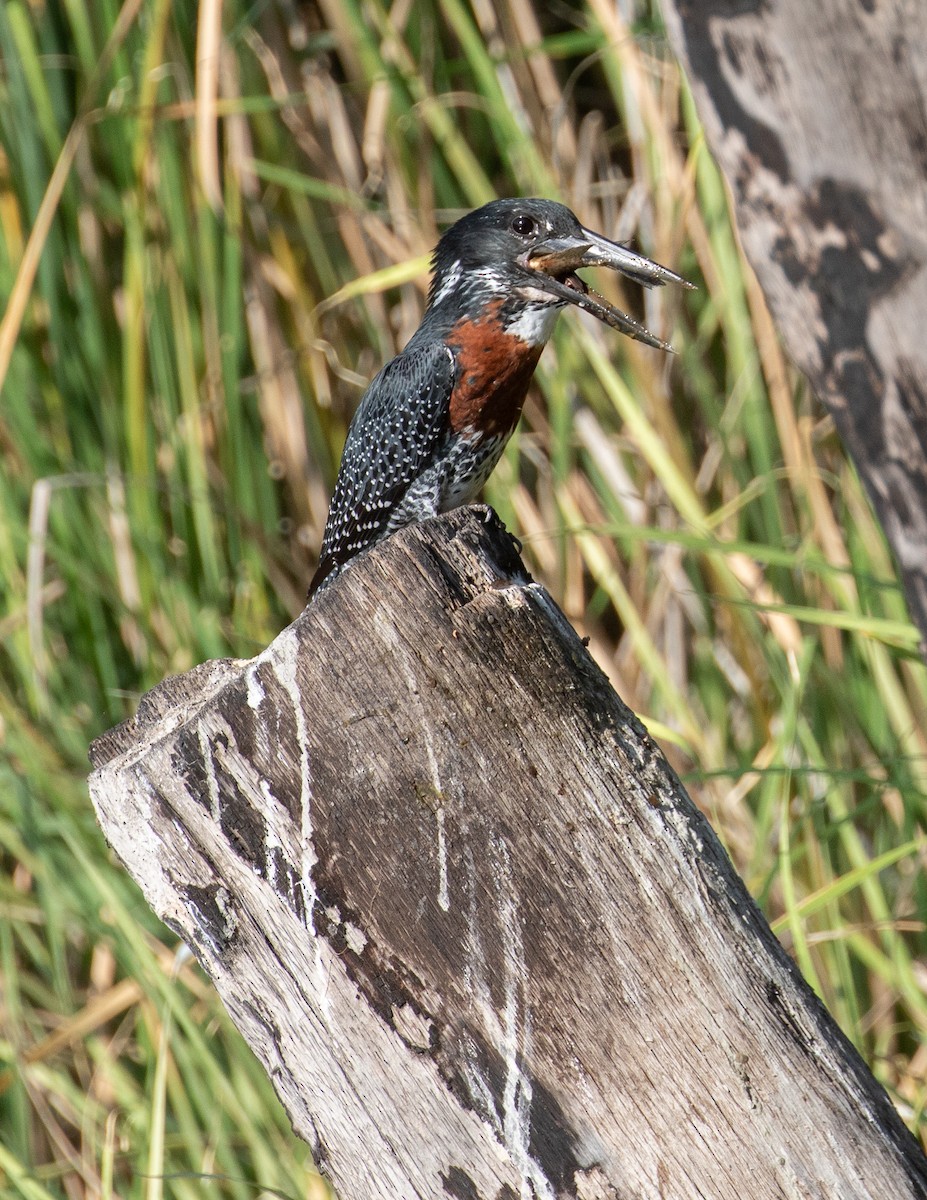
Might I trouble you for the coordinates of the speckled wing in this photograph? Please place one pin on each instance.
(398, 428)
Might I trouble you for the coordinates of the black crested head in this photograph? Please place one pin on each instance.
(528, 252)
(496, 237)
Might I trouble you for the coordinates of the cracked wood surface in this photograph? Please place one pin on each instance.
(817, 115)
(464, 913)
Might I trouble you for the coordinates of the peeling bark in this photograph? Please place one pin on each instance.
(817, 115)
(464, 913)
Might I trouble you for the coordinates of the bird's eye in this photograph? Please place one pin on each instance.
(523, 226)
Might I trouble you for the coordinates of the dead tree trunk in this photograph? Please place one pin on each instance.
(464, 913)
(817, 114)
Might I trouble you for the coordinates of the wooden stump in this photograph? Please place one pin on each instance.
(466, 916)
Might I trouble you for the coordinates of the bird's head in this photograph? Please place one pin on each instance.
(528, 252)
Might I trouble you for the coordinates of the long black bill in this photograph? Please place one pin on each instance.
(554, 263)
(603, 253)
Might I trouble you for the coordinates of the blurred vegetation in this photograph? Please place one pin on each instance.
(214, 227)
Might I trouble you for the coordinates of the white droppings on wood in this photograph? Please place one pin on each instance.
(254, 688)
(509, 1032)
(516, 1043)
(277, 823)
(272, 842)
(444, 899)
(355, 938)
(285, 668)
(256, 696)
(413, 1027)
(271, 804)
(225, 903)
(285, 663)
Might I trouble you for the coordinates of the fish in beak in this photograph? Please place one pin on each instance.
(553, 265)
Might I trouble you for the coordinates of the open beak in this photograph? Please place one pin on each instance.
(553, 265)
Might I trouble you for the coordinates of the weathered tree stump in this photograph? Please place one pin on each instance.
(464, 913)
(816, 114)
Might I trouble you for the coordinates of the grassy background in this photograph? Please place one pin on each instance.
(206, 249)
